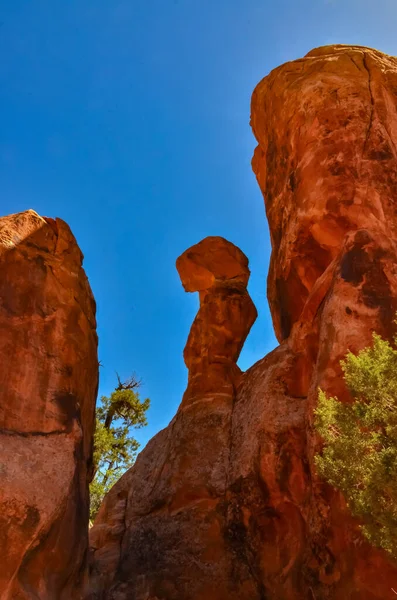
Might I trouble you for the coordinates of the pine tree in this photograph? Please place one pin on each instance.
(114, 447)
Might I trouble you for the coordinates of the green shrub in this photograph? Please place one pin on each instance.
(114, 447)
(360, 441)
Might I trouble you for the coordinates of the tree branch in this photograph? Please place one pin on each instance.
(132, 383)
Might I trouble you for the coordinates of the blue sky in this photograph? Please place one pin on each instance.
(130, 120)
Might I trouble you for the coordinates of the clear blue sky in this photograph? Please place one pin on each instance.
(130, 120)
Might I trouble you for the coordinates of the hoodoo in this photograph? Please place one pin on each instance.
(167, 541)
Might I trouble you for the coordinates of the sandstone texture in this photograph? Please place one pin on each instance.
(225, 503)
(219, 271)
(326, 127)
(48, 385)
(160, 531)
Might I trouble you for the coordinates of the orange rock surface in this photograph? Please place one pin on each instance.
(212, 261)
(219, 271)
(48, 383)
(225, 503)
(326, 127)
(326, 162)
(167, 540)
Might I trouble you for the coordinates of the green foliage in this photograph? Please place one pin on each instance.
(360, 451)
(114, 447)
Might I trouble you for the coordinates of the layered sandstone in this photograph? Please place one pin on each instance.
(225, 503)
(48, 383)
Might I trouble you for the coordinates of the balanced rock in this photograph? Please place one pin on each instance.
(219, 271)
(213, 260)
(160, 532)
(48, 385)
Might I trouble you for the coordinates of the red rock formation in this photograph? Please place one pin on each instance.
(326, 127)
(219, 271)
(225, 503)
(326, 162)
(167, 540)
(48, 382)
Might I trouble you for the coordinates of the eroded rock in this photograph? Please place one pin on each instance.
(168, 539)
(326, 127)
(219, 271)
(225, 503)
(326, 162)
(48, 384)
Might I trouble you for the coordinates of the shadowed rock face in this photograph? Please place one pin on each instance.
(48, 383)
(225, 503)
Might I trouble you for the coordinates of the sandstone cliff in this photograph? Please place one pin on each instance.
(48, 383)
(225, 503)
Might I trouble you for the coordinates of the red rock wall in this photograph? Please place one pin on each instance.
(261, 525)
(326, 127)
(326, 162)
(48, 385)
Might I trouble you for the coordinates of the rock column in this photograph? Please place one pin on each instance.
(48, 386)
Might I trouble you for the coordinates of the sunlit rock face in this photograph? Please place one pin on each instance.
(225, 503)
(218, 270)
(48, 384)
(326, 127)
(326, 162)
(161, 532)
